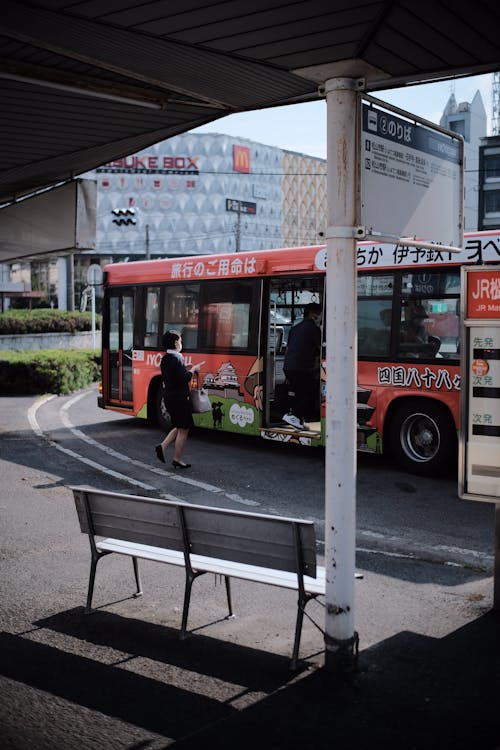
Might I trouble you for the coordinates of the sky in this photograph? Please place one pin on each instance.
(302, 127)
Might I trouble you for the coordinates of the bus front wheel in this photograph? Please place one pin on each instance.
(421, 437)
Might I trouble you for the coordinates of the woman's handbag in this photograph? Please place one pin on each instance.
(199, 399)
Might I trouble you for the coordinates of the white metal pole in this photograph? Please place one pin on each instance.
(92, 303)
(341, 363)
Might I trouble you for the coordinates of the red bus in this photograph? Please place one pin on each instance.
(235, 311)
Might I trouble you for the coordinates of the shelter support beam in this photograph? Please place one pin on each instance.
(340, 456)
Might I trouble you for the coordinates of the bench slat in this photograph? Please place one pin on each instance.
(247, 538)
(258, 574)
(266, 542)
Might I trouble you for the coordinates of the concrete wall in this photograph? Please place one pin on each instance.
(81, 340)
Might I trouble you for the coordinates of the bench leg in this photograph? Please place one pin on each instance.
(298, 632)
(190, 577)
(135, 563)
(228, 593)
(93, 566)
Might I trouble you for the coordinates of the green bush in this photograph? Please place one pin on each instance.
(48, 371)
(46, 321)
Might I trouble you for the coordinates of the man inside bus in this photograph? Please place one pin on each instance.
(415, 340)
(301, 367)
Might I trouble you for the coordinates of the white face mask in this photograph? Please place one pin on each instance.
(178, 345)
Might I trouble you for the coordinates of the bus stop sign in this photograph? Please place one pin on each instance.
(479, 471)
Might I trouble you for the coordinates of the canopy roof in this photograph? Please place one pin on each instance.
(83, 83)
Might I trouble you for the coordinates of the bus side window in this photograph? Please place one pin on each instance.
(152, 317)
(374, 328)
(430, 328)
(180, 312)
(227, 315)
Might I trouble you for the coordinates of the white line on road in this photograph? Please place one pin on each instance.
(117, 455)
(77, 456)
(422, 554)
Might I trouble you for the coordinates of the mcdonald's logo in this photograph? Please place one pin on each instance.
(241, 159)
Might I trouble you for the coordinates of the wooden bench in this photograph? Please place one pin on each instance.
(255, 547)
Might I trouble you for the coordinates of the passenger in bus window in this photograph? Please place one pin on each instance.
(176, 378)
(415, 339)
(301, 366)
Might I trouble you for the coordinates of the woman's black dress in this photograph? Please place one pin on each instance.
(176, 380)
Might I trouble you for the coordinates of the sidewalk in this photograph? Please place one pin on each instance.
(429, 663)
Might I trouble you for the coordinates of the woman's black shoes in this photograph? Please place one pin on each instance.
(175, 464)
(180, 465)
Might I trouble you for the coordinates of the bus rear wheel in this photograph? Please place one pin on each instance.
(421, 437)
(161, 414)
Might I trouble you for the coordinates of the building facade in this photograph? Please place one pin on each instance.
(198, 194)
(193, 194)
(489, 182)
(469, 120)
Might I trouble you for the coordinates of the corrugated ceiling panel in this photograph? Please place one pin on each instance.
(234, 53)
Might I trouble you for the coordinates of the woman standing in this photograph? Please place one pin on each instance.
(176, 378)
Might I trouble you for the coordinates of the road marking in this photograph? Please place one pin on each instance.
(118, 456)
(429, 554)
(423, 555)
(77, 456)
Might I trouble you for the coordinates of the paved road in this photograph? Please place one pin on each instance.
(121, 678)
(396, 512)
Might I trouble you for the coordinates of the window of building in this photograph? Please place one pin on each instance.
(492, 167)
(458, 126)
(492, 201)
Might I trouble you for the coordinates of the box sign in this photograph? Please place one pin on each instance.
(479, 475)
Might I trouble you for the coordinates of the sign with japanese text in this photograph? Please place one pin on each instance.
(480, 396)
(483, 294)
(478, 247)
(411, 178)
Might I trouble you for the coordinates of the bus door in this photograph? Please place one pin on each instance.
(286, 301)
(119, 360)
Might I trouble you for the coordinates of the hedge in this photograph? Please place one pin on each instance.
(48, 371)
(46, 321)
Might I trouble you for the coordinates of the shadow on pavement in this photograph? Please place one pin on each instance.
(108, 689)
(256, 670)
(412, 692)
